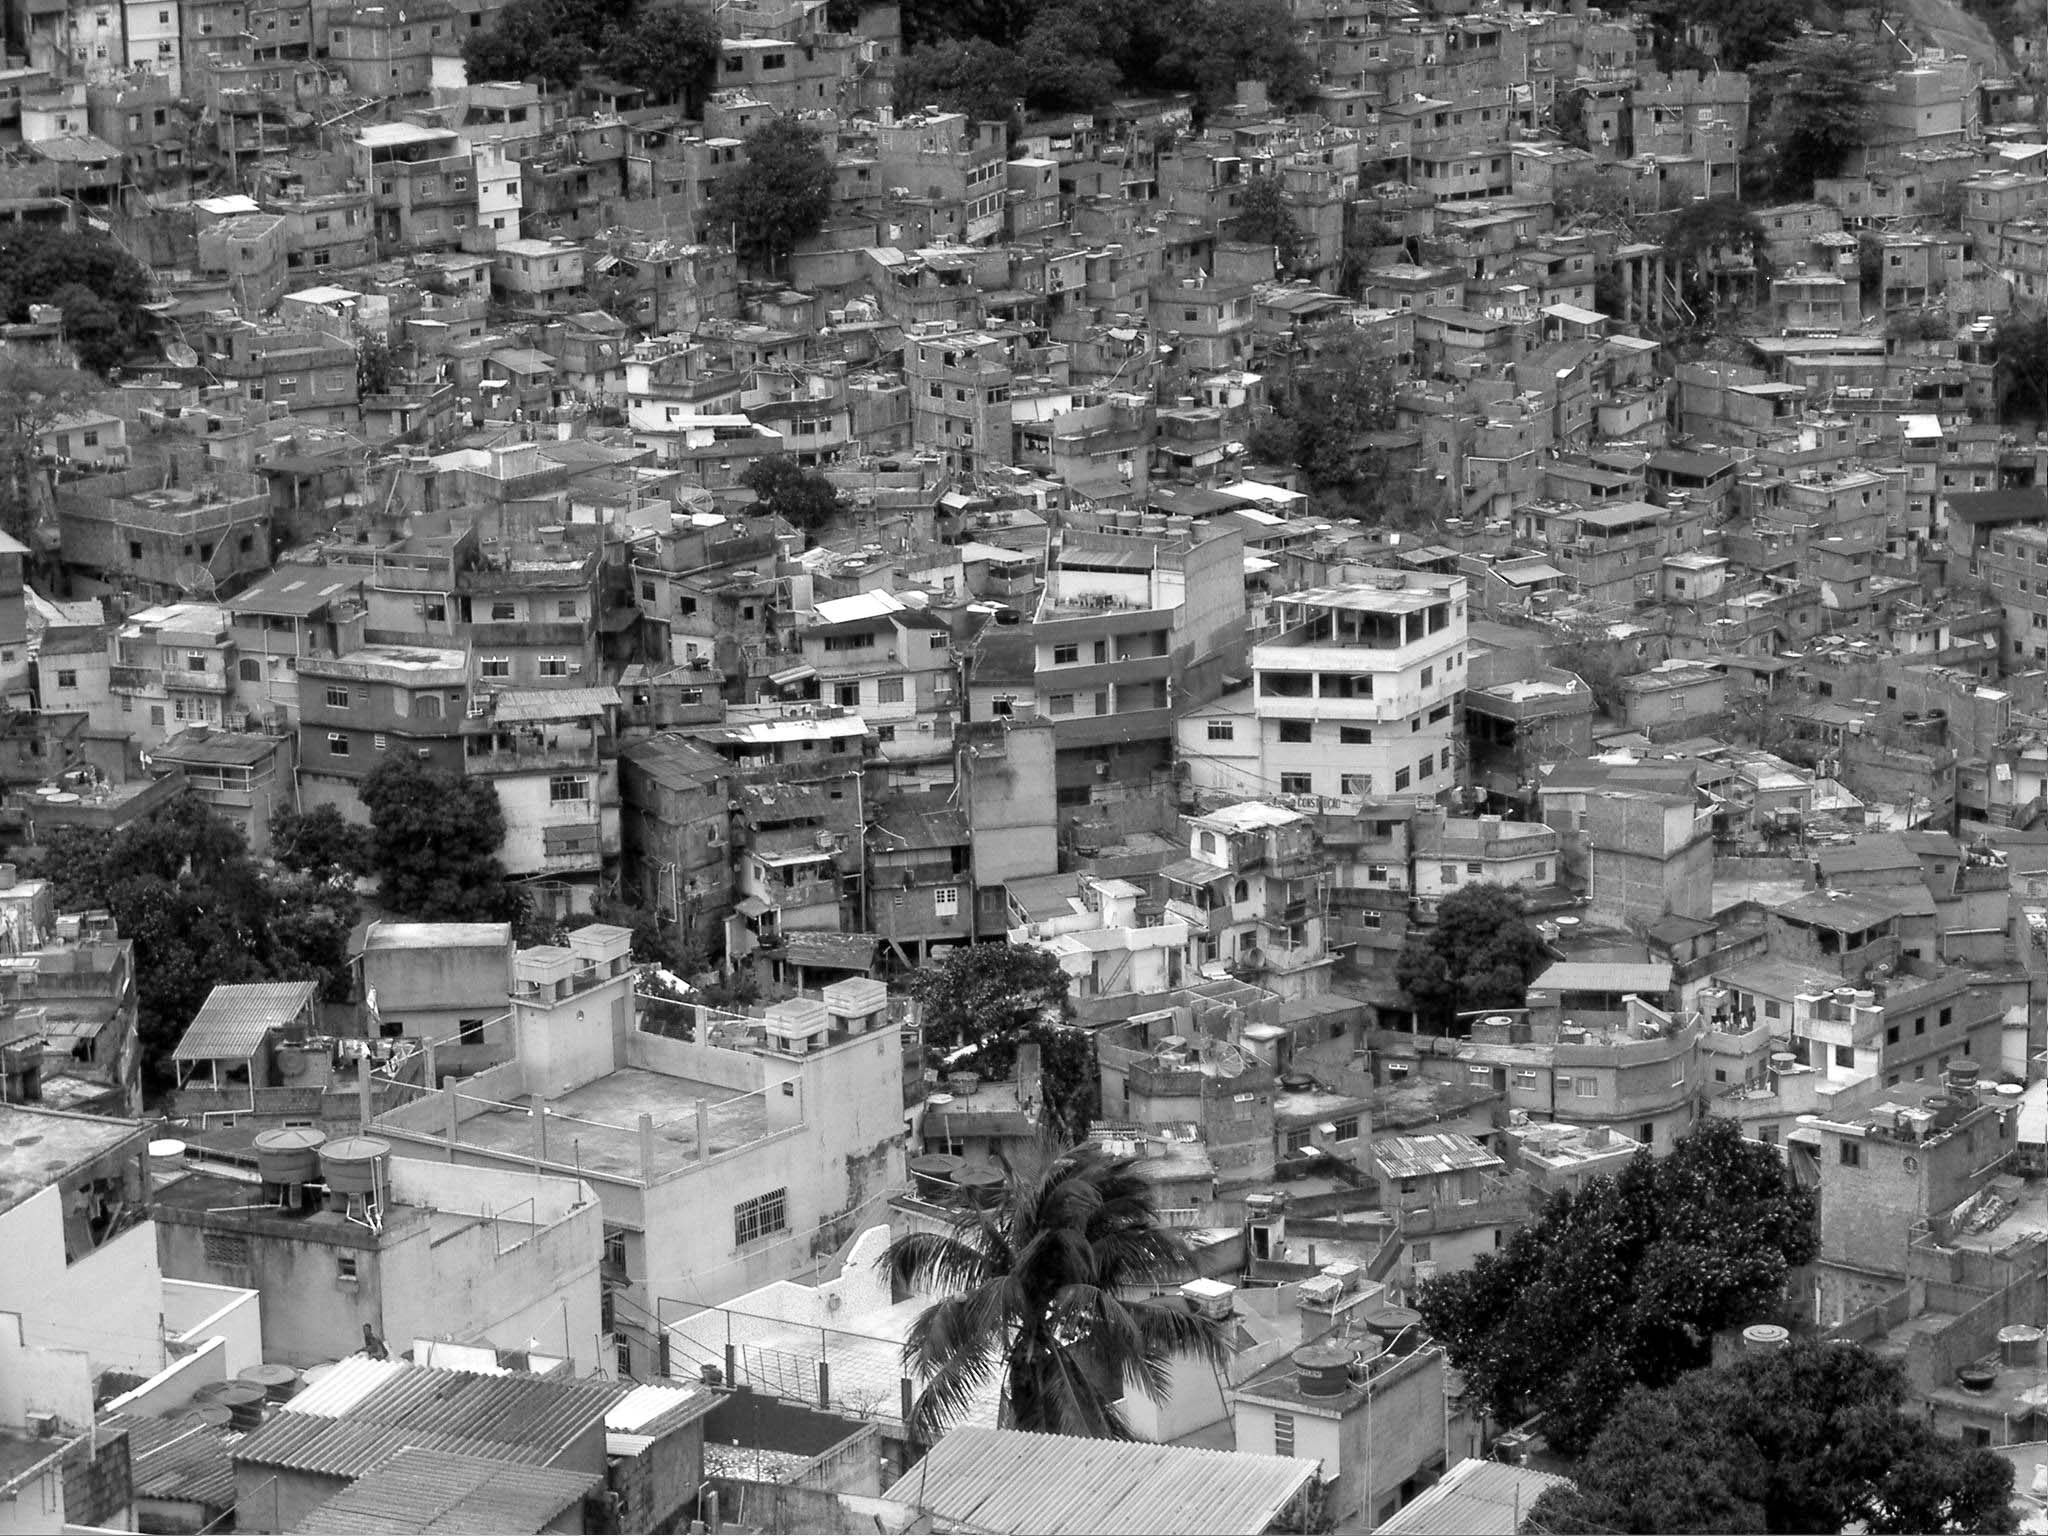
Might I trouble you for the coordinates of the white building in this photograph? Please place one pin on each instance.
(1352, 697)
(154, 30)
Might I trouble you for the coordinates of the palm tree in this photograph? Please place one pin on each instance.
(1050, 1286)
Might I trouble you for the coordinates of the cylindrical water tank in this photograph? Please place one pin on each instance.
(355, 1165)
(1323, 1370)
(288, 1155)
(2019, 1344)
(1763, 1336)
(278, 1381)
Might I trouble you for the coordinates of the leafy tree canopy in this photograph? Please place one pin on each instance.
(1044, 1299)
(1482, 953)
(802, 497)
(779, 196)
(551, 39)
(1750, 30)
(1820, 107)
(670, 53)
(1814, 1437)
(985, 1000)
(1263, 218)
(320, 842)
(1322, 420)
(99, 286)
(182, 885)
(977, 77)
(434, 840)
(1624, 1283)
(2021, 372)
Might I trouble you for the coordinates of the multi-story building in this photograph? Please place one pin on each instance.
(675, 835)
(295, 613)
(172, 667)
(1353, 696)
(959, 396)
(133, 533)
(421, 182)
(1250, 892)
(356, 709)
(892, 663)
(549, 754)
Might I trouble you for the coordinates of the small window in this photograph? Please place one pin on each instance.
(763, 1216)
(67, 679)
(1852, 1154)
(337, 744)
(565, 787)
(345, 1268)
(1222, 730)
(337, 698)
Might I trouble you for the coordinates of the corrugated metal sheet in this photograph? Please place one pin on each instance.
(509, 1417)
(1052, 1485)
(645, 1405)
(233, 1021)
(432, 1491)
(344, 1385)
(1475, 1498)
(177, 1459)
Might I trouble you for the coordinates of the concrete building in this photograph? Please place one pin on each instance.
(446, 982)
(1353, 694)
(722, 1162)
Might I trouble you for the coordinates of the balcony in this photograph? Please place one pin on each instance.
(1210, 920)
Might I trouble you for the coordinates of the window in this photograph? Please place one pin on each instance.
(1062, 704)
(566, 787)
(1401, 779)
(760, 1217)
(1296, 731)
(378, 743)
(946, 901)
(1354, 783)
(1222, 730)
(1297, 784)
(554, 666)
(1353, 736)
(472, 1033)
(1852, 1154)
(226, 1250)
(495, 666)
(1065, 655)
(337, 698)
(134, 549)
(1283, 1434)
(345, 1268)
(1947, 1017)
(1346, 1129)
(1586, 1087)
(889, 690)
(503, 611)
(67, 679)
(565, 608)
(337, 744)
(1845, 1056)
(1526, 1080)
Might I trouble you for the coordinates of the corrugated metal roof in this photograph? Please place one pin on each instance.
(554, 703)
(235, 1019)
(435, 1491)
(648, 1404)
(178, 1459)
(344, 1385)
(1415, 1157)
(1049, 1485)
(1475, 1498)
(356, 1421)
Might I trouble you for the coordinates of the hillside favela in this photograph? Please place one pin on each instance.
(1023, 767)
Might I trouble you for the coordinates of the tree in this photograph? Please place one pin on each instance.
(1749, 30)
(671, 53)
(375, 365)
(1040, 1294)
(1624, 1283)
(320, 842)
(780, 196)
(183, 887)
(1812, 1437)
(1263, 218)
(434, 840)
(33, 395)
(1703, 236)
(1069, 57)
(977, 77)
(551, 39)
(2020, 375)
(802, 497)
(1820, 108)
(99, 286)
(1481, 954)
(984, 1001)
(1212, 45)
(1324, 418)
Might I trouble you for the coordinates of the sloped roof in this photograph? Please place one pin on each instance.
(433, 1491)
(177, 1459)
(1049, 1485)
(234, 1020)
(1475, 1498)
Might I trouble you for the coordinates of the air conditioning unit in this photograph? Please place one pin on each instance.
(424, 753)
(575, 667)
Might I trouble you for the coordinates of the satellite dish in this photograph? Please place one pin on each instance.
(181, 354)
(195, 580)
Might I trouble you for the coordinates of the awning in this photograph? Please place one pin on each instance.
(790, 675)
(751, 906)
(1195, 872)
(553, 703)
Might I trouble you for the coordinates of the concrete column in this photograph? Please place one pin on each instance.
(647, 1149)
(537, 1109)
(453, 1104)
(703, 1130)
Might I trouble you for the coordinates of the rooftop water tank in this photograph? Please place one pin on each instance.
(355, 1165)
(1323, 1370)
(288, 1155)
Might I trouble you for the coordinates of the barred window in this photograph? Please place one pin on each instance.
(760, 1217)
(227, 1250)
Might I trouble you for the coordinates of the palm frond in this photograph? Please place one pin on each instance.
(940, 1262)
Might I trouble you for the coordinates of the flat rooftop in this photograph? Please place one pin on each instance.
(38, 1147)
(597, 1126)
